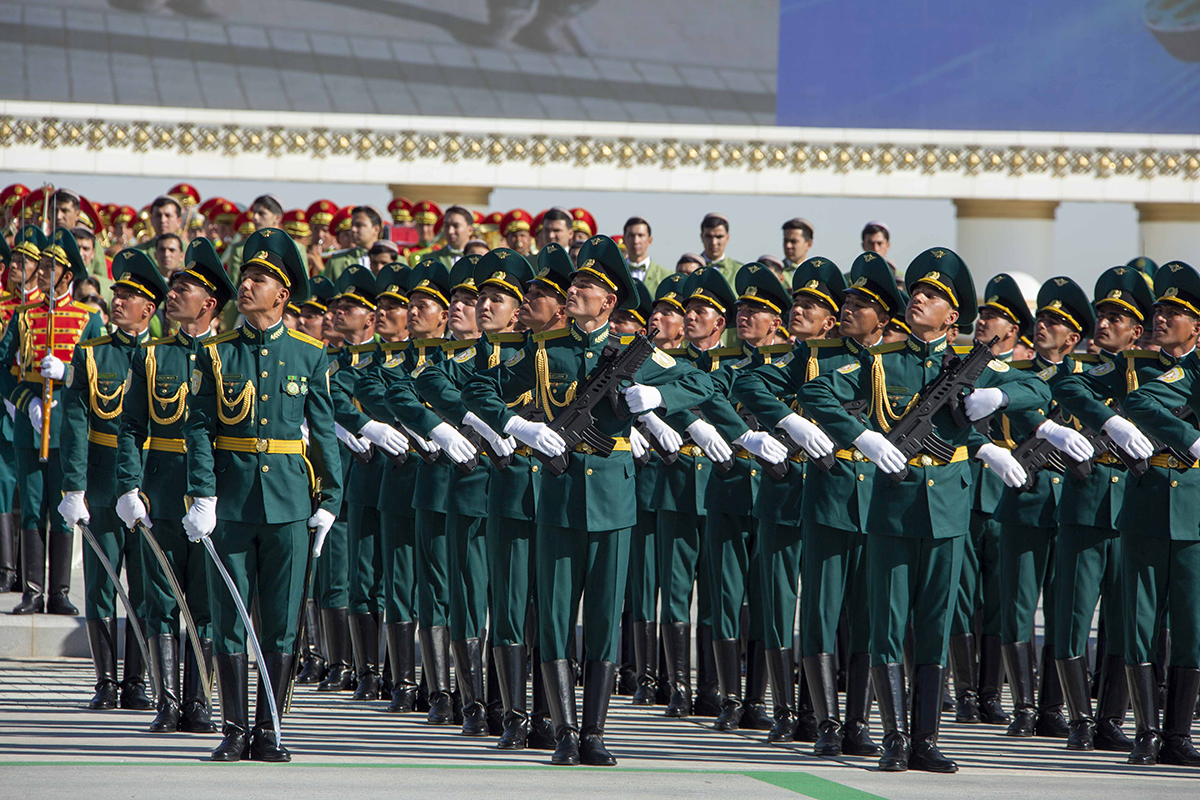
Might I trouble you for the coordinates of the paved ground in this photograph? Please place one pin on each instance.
(50, 745)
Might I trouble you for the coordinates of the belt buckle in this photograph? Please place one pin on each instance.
(926, 461)
(857, 455)
(260, 445)
(1172, 462)
(585, 448)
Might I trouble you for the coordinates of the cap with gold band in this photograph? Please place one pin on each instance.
(274, 251)
(872, 278)
(1003, 295)
(401, 210)
(898, 318)
(583, 221)
(30, 242)
(1143, 264)
(554, 268)
(670, 291)
(819, 277)
(430, 277)
(1126, 289)
(504, 268)
(203, 265)
(134, 270)
(645, 304)
(707, 285)
(1062, 297)
(600, 258)
(392, 281)
(65, 252)
(321, 212)
(357, 284)
(295, 222)
(1178, 284)
(321, 293)
(462, 274)
(757, 284)
(515, 220)
(944, 270)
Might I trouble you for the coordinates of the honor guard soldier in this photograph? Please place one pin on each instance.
(1005, 315)
(427, 218)
(917, 525)
(248, 467)
(153, 415)
(584, 515)
(365, 227)
(1160, 519)
(93, 402)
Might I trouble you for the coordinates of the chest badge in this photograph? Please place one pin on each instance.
(292, 388)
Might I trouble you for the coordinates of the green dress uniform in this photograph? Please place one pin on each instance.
(1160, 546)
(915, 527)
(152, 421)
(9, 578)
(25, 344)
(250, 392)
(585, 515)
(977, 668)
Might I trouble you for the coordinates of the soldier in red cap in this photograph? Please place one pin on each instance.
(401, 209)
(583, 224)
(320, 216)
(339, 228)
(517, 229)
(186, 194)
(8, 198)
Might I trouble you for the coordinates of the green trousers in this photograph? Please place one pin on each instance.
(779, 548)
(574, 564)
(189, 563)
(433, 569)
(642, 592)
(364, 555)
(263, 560)
(833, 577)
(8, 475)
(1087, 566)
(731, 545)
(120, 548)
(333, 567)
(466, 546)
(979, 586)
(510, 548)
(682, 565)
(1026, 571)
(911, 579)
(399, 535)
(1161, 578)
(41, 489)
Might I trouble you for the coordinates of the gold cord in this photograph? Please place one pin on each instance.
(94, 393)
(179, 398)
(245, 399)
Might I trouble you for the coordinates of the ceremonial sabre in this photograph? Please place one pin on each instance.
(184, 612)
(131, 619)
(258, 653)
(303, 616)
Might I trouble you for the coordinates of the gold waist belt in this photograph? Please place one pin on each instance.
(167, 445)
(270, 446)
(1171, 462)
(960, 454)
(622, 443)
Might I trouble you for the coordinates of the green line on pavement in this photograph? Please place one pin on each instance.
(811, 786)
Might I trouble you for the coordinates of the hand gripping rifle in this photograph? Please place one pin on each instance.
(825, 463)
(1102, 443)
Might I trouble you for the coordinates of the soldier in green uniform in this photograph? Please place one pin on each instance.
(365, 227)
(834, 503)
(1160, 521)
(1087, 551)
(976, 669)
(253, 480)
(20, 280)
(1028, 518)
(154, 412)
(916, 527)
(585, 515)
(714, 235)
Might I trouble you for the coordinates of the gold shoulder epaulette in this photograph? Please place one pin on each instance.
(1090, 358)
(304, 337)
(725, 352)
(1022, 364)
(627, 338)
(454, 345)
(88, 307)
(890, 347)
(394, 347)
(29, 306)
(676, 351)
(161, 340)
(834, 342)
(96, 341)
(962, 349)
(776, 349)
(1140, 353)
(220, 338)
(506, 338)
(546, 336)
(365, 347)
(434, 342)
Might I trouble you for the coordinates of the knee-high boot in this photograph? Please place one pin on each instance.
(165, 652)
(195, 716)
(102, 636)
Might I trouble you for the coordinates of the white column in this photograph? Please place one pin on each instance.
(1006, 236)
(1169, 231)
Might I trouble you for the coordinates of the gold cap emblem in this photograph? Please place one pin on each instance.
(811, 284)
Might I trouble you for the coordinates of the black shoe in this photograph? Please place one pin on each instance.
(59, 603)
(597, 689)
(1073, 676)
(364, 643)
(194, 715)
(677, 644)
(1018, 664)
(890, 697)
(232, 675)
(234, 746)
(928, 688)
(729, 677)
(165, 652)
(1112, 701)
(558, 680)
(468, 668)
(1143, 694)
(1183, 686)
(755, 716)
(1051, 722)
(33, 561)
(264, 745)
(313, 671)
(856, 735)
(435, 660)
(339, 674)
(820, 673)
(133, 687)
(102, 636)
(991, 712)
(856, 739)
(31, 603)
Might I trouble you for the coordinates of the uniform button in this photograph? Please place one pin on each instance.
(266, 468)
(1174, 484)
(862, 477)
(1114, 479)
(263, 374)
(1054, 480)
(264, 351)
(589, 472)
(929, 482)
(699, 467)
(263, 398)
(929, 363)
(192, 356)
(263, 421)
(535, 469)
(753, 472)
(590, 354)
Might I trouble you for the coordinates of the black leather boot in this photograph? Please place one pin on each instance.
(468, 668)
(1073, 677)
(364, 641)
(1143, 692)
(856, 734)
(645, 657)
(232, 678)
(807, 729)
(627, 670)
(1112, 700)
(965, 670)
(1183, 686)
(559, 682)
(541, 727)
(597, 689)
(133, 687)
(494, 701)
(314, 667)
(339, 677)
(728, 654)
(1018, 664)
(707, 698)
(754, 711)
(264, 746)
(677, 644)
(821, 672)
(33, 573)
(893, 716)
(9, 580)
(58, 578)
(165, 652)
(928, 682)
(102, 636)
(401, 646)
(1051, 722)
(991, 712)
(510, 674)
(781, 670)
(194, 716)
(435, 667)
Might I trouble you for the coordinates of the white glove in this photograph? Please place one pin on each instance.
(349, 439)
(422, 442)
(763, 445)
(1001, 462)
(11, 409)
(53, 368)
(876, 447)
(982, 402)
(131, 510)
(807, 435)
(304, 431)
(201, 518)
(320, 522)
(35, 412)
(1195, 449)
(642, 398)
(1068, 440)
(1128, 437)
(453, 442)
(387, 438)
(710, 441)
(538, 435)
(501, 446)
(666, 435)
(73, 509)
(638, 444)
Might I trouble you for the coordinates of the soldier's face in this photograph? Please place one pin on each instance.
(353, 318)
(519, 241)
(51, 274)
(381, 260)
(669, 322)
(495, 310)
(188, 301)
(755, 324)
(462, 311)
(1115, 330)
(260, 292)
(810, 319)
(1175, 327)
(540, 308)
(557, 230)
(625, 323)
(457, 231)
(795, 246)
(67, 215)
(363, 231)
(391, 320)
(638, 241)
(22, 272)
(265, 217)
(169, 254)
(861, 318)
(1052, 335)
(876, 243)
(714, 240)
(930, 310)
(589, 299)
(311, 322)
(702, 322)
(426, 316)
(322, 236)
(129, 310)
(165, 219)
(992, 323)
(426, 231)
